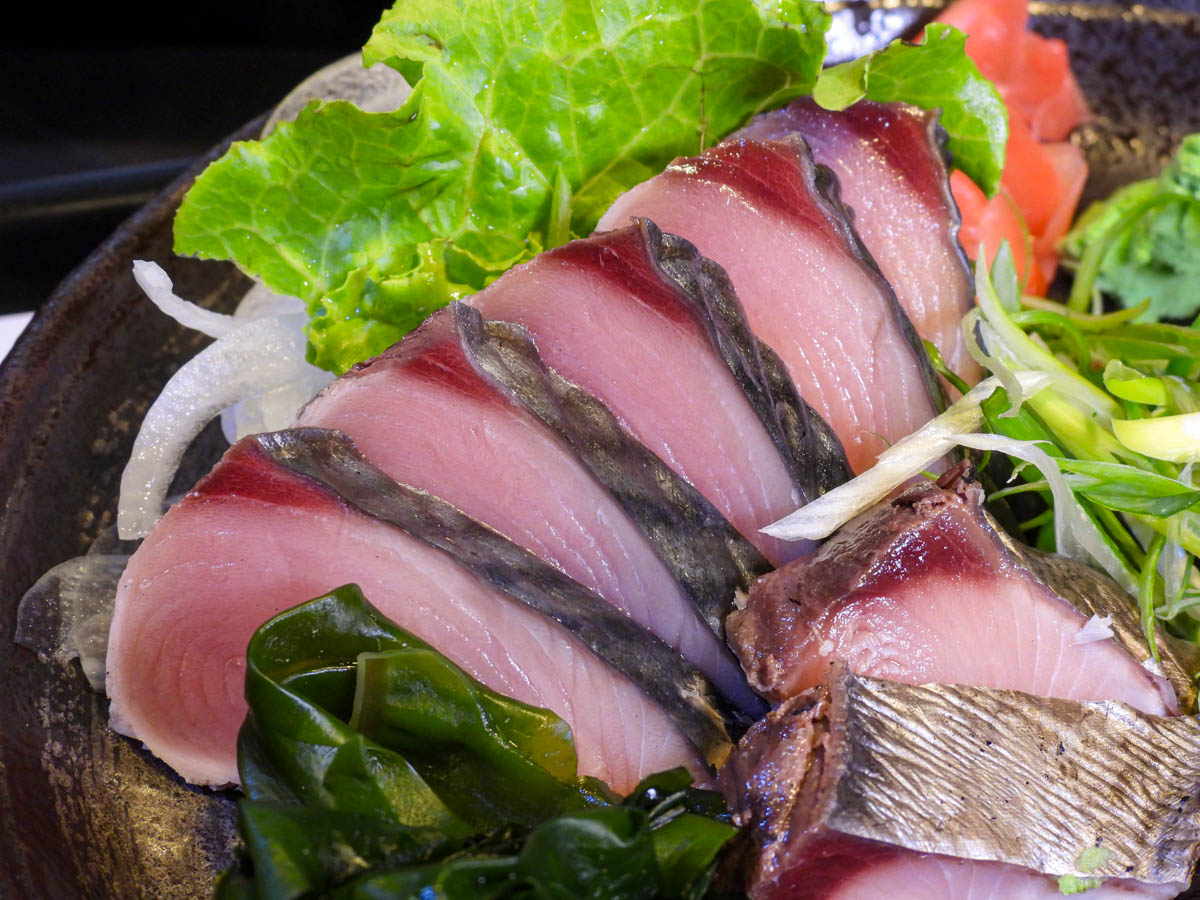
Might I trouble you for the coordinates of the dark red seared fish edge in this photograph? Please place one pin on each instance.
(559, 485)
(912, 588)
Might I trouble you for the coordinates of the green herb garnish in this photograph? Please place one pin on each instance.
(1142, 244)
(1074, 884)
(1119, 419)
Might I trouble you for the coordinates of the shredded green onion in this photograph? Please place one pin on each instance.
(1121, 419)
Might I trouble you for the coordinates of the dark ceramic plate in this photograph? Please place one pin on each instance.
(86, 813)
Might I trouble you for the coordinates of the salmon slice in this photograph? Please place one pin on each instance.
(1032, 72)
(891, 168)
(863, 788)
(1045, 89)
(654, 331)
(1039, 192)
(764, 213)
(427, 417)
(1031, 177)
(926, 589)
(994, 29)
(254, 538)
(1071, 173)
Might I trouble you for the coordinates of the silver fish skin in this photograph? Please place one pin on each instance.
(970, 773)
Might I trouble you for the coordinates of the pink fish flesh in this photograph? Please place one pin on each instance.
(847, 868)
(426, 417)
(606, 316)
(765, 213)
(890, 164)
(253, 539)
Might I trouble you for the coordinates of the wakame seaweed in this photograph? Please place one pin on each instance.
(373, 766)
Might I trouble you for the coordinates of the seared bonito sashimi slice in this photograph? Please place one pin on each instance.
(864, 788)
(259, 535)
(655, 331)
(770, 217)
(431, 414)
(926, 588)
(847, 868)
(891, 168)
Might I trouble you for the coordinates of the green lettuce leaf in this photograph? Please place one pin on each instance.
(374, 219)
(525, 122)
(933, 74)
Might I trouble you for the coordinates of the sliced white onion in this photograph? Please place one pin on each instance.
(909, 456)
(157, 285)
(277, 408)
(1097, 628)
(67, 613)
(259, 356)
(975, 332)
(260, 301)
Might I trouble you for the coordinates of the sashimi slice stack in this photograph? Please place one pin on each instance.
(656, 332)
(432, 421)
(467, 412)
(257, 533)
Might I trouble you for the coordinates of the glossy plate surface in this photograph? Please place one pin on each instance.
(86, 813)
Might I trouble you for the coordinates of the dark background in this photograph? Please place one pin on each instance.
(102, 104)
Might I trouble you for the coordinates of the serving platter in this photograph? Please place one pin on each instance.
(87, 813)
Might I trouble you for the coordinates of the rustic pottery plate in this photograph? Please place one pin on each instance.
(86, 813)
